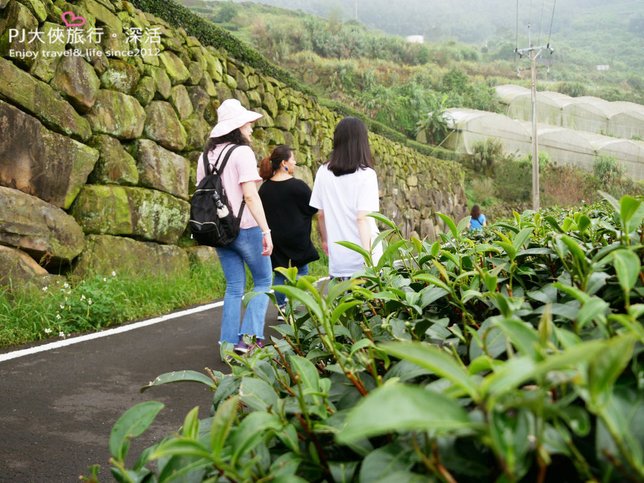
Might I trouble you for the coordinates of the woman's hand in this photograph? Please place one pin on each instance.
(267, 244)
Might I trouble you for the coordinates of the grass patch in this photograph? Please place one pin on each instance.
(91, 304)
(68, 308)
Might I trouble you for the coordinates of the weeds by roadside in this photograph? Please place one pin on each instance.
(94, 303)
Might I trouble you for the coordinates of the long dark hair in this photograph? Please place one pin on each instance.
(233, 137)
(476, 212)
(270, 164)
(350, 147)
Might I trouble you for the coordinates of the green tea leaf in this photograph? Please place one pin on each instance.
(251, 432)
(385, 461)
(624, 413)
(583, 223)
(435, 360)
(631, 212)
(131, 424)
(429, 295)
(604, 369)
(519, 370)
(399, 407)
(180, 447)
(521, 335)
(463, 224)
(309, 376)
(181, 376)
(612, 201)
(361, 344)
(551, 220)
(576, 251)
(190, 427)
(520, 239)
(509, 433)
(384, 220)
(342, 309)
(257, 394)
(357, 248)
(593, 309)
(509, 249)
(221, 425)
(450, 224)
(426, 277)
(436, 247)
(307, 299)
(628, 268)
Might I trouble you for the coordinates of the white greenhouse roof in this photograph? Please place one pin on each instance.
(586, 113)
(563, 145)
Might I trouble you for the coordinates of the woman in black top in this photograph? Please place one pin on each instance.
(286, 203)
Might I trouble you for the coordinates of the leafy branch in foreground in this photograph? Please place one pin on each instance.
(512, 354)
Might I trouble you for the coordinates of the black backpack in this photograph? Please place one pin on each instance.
(212, 221)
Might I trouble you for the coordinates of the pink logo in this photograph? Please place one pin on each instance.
(70, 19)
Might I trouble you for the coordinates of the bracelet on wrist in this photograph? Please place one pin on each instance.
(267, 232)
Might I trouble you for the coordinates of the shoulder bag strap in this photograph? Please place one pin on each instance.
(220, 169)
(211, 168)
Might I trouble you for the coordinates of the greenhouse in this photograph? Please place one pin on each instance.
(563, 145)
(587, 114)
(471, 127)
(617, 119)
(509, 92)
(629, 154)
(627, 122)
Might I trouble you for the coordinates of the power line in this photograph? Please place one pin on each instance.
(551, 20)
(516, 44)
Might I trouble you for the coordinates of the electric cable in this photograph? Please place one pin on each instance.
(551, 20)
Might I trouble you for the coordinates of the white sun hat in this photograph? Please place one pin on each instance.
(230, 116)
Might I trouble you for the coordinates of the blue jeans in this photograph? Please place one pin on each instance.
(246, 249)
(280, 279)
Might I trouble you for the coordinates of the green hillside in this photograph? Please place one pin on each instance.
(396, 82)
(584, 34)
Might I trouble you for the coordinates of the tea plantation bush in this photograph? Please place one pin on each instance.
(505, 355)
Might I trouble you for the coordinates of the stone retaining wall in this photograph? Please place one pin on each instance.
(111, 136)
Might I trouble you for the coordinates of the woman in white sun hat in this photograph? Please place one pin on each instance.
(254, 245)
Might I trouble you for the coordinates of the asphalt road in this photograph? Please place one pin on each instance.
(57, 407)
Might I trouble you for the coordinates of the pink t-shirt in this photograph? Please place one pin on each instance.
(241, 168)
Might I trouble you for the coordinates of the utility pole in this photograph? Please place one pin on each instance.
(534, 52)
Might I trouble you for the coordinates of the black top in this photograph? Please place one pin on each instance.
(286, 204)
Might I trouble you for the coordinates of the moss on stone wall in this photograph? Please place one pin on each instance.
(170, 100)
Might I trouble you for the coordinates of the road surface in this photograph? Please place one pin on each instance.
(57, 407)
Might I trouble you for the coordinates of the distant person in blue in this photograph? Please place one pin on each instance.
(477, 219)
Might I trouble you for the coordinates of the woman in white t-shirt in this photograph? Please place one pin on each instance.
(345, 191)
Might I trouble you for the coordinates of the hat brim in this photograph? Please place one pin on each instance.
(225, 127)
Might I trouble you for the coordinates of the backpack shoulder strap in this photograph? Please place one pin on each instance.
(220, 169)
(210, 169)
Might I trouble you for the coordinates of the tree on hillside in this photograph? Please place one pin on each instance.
(433, 127)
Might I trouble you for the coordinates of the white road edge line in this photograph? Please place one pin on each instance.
(116, 330)
(105, 333)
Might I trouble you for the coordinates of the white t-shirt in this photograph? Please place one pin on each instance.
(241, 168)
(341, 198)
